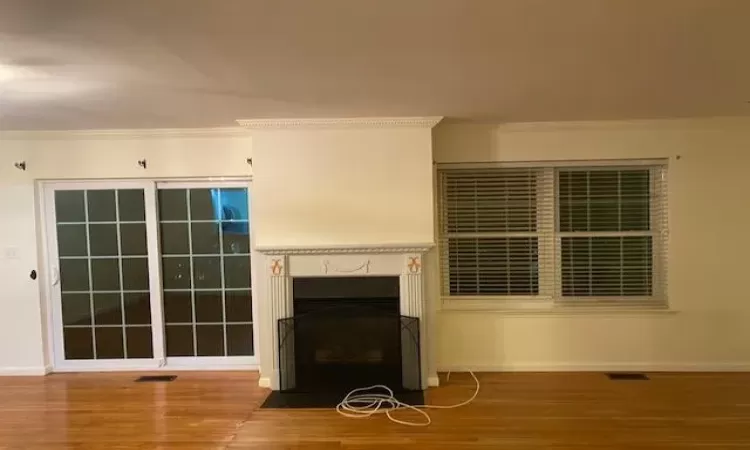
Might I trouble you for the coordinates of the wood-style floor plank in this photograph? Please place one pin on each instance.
(524, 411)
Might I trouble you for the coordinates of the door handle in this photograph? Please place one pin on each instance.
(55, 276)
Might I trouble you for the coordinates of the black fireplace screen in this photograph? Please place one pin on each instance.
(347, 350)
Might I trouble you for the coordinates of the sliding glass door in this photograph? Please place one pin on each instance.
(205, 258)
(144, 275)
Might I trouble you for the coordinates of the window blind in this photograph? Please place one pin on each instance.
(610, 230)
(572, 234)
(493, 230)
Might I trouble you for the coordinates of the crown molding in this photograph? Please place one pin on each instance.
(155, 133)
(346, 249)
(350, 122)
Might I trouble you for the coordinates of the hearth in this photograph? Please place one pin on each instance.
(347, 332)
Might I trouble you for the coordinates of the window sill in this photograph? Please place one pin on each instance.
(516, 306)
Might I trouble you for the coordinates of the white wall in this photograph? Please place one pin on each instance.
(202, 153)
(343, 187)
(709, 188)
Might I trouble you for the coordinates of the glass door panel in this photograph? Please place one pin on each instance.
(205, 251)
(101, 292)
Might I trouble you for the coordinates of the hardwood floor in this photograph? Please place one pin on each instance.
(521, 411)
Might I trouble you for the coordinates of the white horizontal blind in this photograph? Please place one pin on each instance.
(493, 231)
(611, 234)
(575, 234)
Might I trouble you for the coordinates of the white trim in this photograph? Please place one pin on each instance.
(724, 366)
(586, 164)
(210, 362)
(265, 382)
(155, 133)
(433, 381)
(348, 122)
(26, 371)
(340, 249)
(203, 184)
(156, 368)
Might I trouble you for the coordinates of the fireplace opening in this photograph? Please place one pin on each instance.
(347, 332)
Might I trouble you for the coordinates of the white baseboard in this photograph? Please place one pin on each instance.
(433, 381)
(264, 382)
(731, 366)
(172, 368)
(23, 371)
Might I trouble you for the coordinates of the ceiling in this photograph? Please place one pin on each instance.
(88, 64)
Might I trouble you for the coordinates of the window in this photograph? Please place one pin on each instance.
(569, 234)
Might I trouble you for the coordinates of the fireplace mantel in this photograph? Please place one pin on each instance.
(346, 249)
(281, 264)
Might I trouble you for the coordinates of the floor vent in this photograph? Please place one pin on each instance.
(626, 376)
(156, 378)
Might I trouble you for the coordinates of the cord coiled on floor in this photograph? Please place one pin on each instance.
(380, 399)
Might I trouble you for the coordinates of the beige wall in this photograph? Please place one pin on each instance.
(709, 187)
(708, 209)
(204, 153)
(343, 187)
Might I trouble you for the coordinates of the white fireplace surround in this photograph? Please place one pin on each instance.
(284, 263)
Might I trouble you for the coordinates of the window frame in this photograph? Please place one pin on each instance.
(550, 296)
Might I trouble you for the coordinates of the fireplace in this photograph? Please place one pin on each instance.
(347, 332)
(345, 316)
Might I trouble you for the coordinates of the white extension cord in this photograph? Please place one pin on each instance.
(366, 402)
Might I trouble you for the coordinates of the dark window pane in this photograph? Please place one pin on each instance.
(178, 307)
(135, 274)
(606, 266)
(76, 309)
(604, 200)
(78, 343)
(240, 340)
(105, 274)
(137, 308)
(101, 206)
(172, 204)
(139, 342)
(235, 241)
(107, 309)
(208, 306)
(109, 343)
(239, 306)
(74, 275)
(176, 273)
(71, 240)
(210, 339)
(207, 272)
(103, 239)
(70, 206)
(132, 206)
(174, 239)
(201, 205)
(205, 237)
(493, 266)
(179, 339)
(133, 239)
(237, 271)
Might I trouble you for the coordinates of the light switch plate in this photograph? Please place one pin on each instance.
(11, 253)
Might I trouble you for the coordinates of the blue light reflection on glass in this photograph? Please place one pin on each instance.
(232, 208)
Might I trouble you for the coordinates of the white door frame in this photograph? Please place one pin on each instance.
(52, 294)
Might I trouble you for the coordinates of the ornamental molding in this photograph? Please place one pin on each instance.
(348, 122)
(338, 250)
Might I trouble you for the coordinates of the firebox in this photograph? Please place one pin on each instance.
(347, 332)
